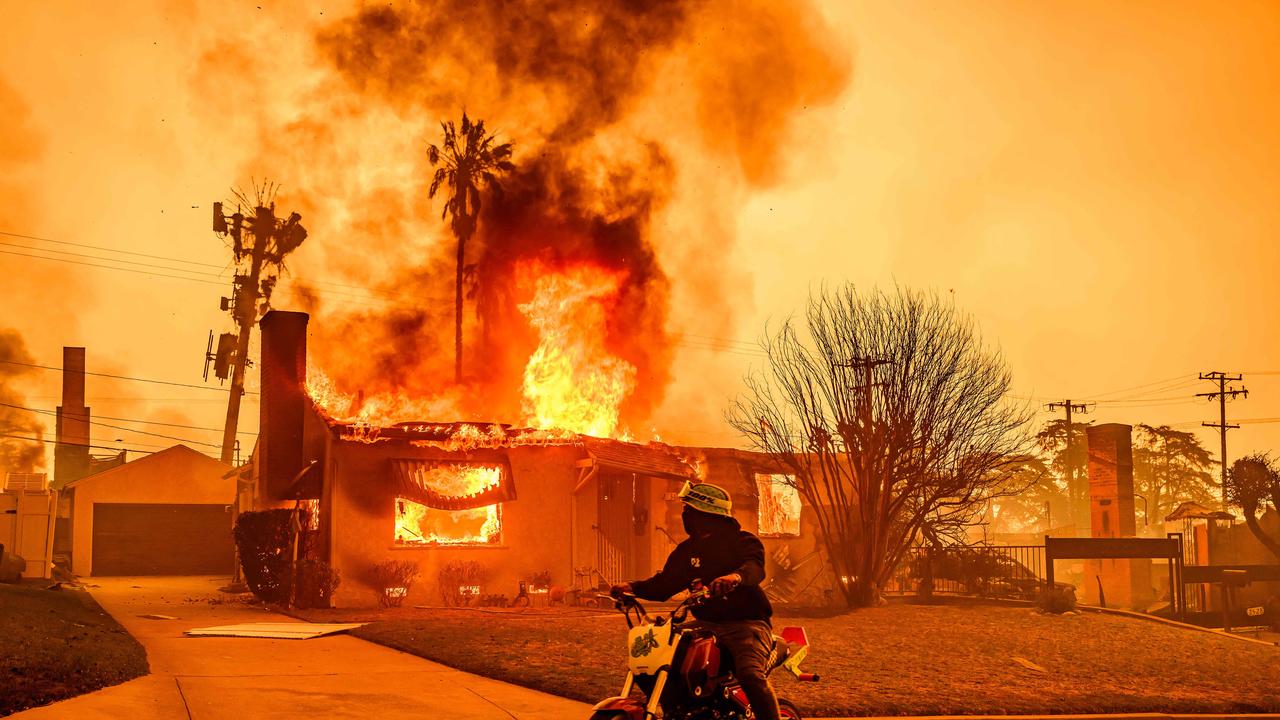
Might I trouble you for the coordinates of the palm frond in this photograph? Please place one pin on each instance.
(433, 154)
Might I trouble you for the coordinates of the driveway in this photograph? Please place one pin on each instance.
(240, 678)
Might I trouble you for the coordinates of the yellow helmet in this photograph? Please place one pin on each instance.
(707, 498)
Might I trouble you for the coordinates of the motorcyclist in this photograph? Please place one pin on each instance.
(733, 559)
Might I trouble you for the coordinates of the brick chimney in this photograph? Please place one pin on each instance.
(1126, 583)
(1111, 511)
(284, 401)
(71, 453)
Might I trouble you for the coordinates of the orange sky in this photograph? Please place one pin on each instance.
(1097, 183)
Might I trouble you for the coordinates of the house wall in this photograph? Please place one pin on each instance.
(1237, 545)
(178, 475)
(359, 503)
(735, 471)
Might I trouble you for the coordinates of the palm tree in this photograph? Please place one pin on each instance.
(467, 160)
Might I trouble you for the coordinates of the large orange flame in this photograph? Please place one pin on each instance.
(572, 381)
(418, 524)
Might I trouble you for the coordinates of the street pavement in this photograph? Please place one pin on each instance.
(337, 676)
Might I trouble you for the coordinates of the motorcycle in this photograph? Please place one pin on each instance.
(681, 671)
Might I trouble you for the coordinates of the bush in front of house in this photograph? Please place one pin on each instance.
(392, 580)
(1057, 600)
(316, 583)
(459, 582)
(264, 539)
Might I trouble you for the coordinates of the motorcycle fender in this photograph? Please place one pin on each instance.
(632, 706)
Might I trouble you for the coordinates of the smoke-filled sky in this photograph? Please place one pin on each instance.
(1097, 183)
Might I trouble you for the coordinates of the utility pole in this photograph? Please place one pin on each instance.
(1221, 396)
(259, 246)
(1074, 501)
(866, 365)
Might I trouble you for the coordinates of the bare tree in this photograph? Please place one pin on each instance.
(891, 417)
(1253, 483)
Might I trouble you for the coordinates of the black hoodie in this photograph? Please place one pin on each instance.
(728, 549)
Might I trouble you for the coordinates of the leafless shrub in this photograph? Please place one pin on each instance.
(892, 417)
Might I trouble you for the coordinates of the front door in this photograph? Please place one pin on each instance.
(615, 530)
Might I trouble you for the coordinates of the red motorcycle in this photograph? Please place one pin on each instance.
(682, 673)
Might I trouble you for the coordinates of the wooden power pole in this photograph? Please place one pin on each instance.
(259, 246)
(1072, 488)
(1221, 395)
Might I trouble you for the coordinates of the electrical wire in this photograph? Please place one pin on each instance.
(113, 427)
(104, 249)
(99, 447)
(127, 377)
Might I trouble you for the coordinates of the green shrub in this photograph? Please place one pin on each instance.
(1057, 600)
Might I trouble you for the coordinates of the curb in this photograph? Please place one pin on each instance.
(1184, 626)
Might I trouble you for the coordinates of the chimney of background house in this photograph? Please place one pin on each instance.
(71, 453)
(284, 401)
(1111, 502)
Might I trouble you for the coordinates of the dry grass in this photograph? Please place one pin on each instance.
(893, 660)
(56, 644)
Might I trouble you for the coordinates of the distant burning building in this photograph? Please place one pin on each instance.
(518, 501)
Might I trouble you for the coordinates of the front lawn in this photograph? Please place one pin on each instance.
(56, 644)
(892, 660)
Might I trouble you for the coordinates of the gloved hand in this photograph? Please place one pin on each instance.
(617, 590)
(725, 584)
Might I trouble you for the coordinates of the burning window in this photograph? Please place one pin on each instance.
(779, 505)
(442, 503)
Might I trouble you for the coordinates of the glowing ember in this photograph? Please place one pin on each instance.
(572, 381)
(779, 505)
(417, 524)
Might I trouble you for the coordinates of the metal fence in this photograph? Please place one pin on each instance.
(996, 571)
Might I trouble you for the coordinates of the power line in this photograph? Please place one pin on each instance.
(104, 249)
(113, 427)
(175, 425)
(358, 298)
(1181, 376)
(124, 377)
(99, 447)
(110, 259)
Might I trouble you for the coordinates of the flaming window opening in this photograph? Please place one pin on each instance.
(442, 510)
(779, 511)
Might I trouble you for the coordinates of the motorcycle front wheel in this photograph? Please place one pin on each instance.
(788, 711)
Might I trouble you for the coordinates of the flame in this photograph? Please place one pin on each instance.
(417, 524)
(779, 505)
(572, 381)
(383, 409)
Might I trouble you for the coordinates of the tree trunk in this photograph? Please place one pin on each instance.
(1256, 528)
(457, 312)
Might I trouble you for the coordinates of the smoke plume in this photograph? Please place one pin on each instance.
(638, 129)
(16, 455)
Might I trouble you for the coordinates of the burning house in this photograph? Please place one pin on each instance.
(517, 501)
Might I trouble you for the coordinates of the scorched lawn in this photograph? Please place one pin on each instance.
(892, 660)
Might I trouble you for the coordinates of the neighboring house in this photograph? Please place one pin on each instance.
(167, 513)
(519, 502)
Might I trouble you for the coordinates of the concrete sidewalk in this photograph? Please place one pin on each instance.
(243, 678)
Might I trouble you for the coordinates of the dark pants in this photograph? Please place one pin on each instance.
(748, 642)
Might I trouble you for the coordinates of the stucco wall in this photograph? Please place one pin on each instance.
(535, 526)
(735, 472)
(178, 475)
